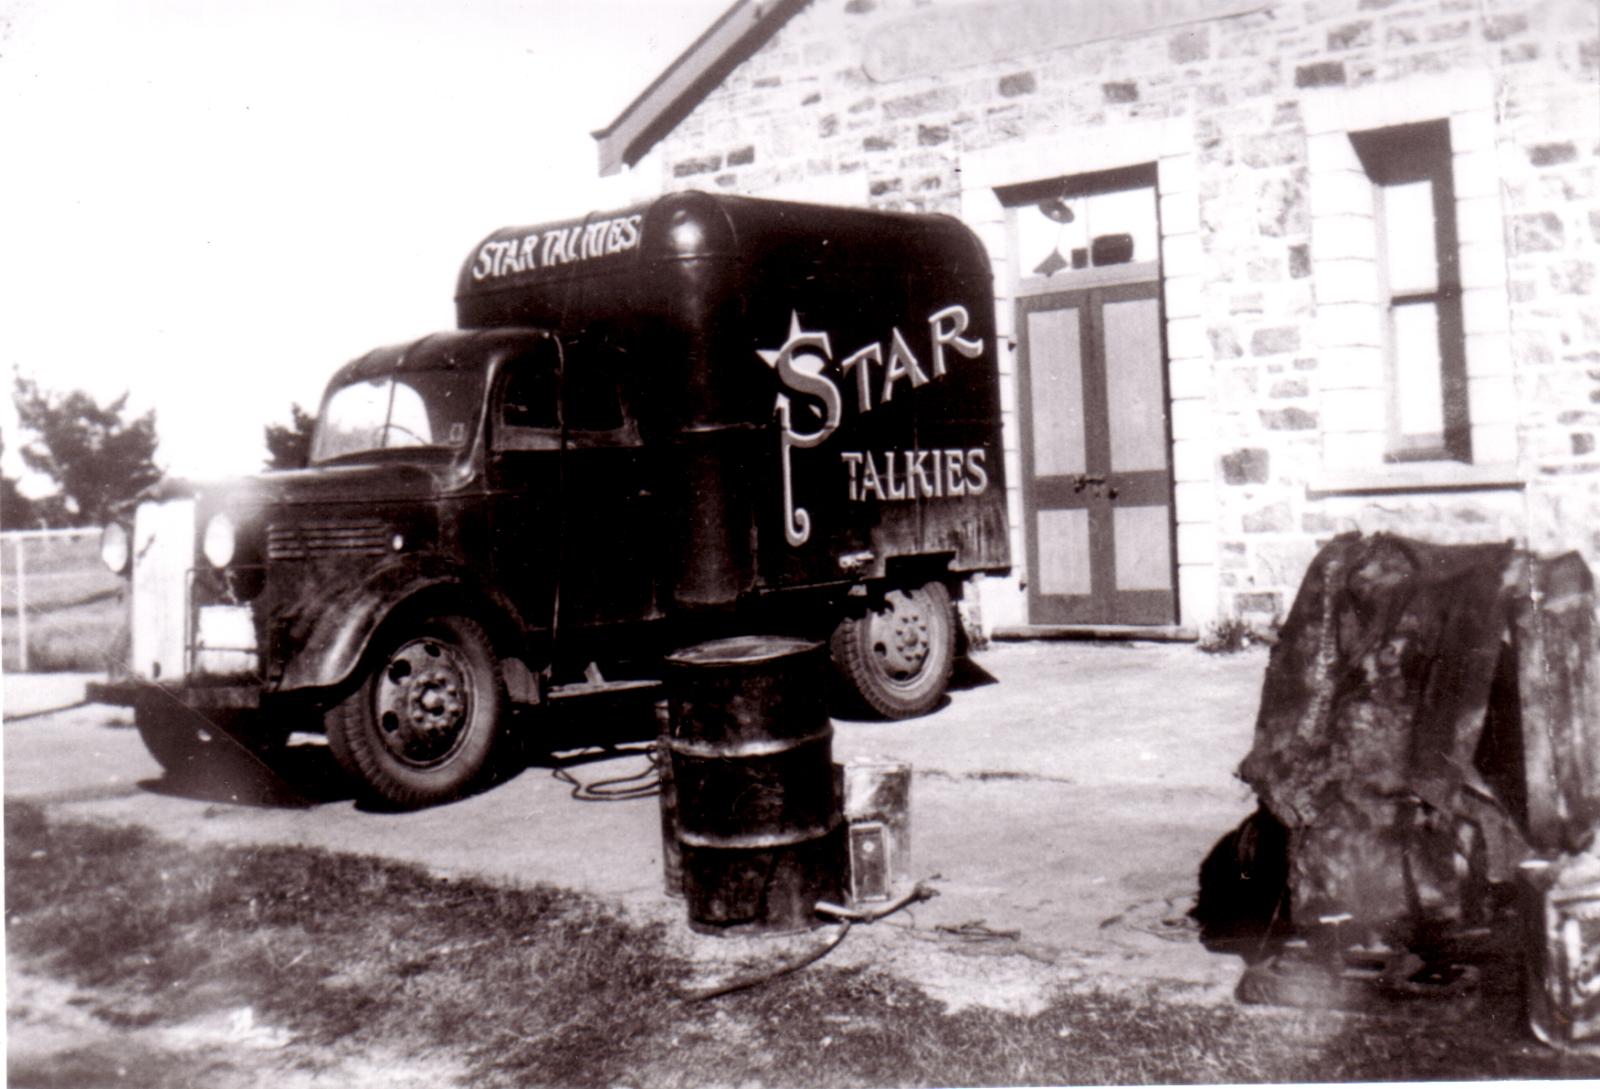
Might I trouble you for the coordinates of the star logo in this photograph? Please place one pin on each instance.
(806, 362)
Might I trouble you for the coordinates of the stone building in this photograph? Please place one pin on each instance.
(1287, 268)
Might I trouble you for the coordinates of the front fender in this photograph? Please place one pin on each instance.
(341, 628)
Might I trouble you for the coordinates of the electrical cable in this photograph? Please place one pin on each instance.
(647, 784)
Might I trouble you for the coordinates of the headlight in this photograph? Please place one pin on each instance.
(114, 547)
(219, 540)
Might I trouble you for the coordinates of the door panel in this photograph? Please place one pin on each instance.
(1097, 488)
(1058, 392)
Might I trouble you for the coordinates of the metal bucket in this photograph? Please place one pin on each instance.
(876, 795)
(1562, 920)
(752, 762)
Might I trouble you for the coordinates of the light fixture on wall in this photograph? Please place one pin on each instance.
(1058, 211)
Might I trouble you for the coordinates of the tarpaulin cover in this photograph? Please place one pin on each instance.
(1372, 713)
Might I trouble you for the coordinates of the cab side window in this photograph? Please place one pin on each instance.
(527, 414)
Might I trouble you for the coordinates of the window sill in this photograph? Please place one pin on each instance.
(1416, 476)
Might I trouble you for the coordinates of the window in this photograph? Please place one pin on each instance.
(527, 416)
(1419, 291)
(1079, 223)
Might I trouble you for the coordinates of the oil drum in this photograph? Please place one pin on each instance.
(751, 747)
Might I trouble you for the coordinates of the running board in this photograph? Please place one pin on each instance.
(584, 689)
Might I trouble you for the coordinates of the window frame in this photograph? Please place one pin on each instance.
(1398, 155)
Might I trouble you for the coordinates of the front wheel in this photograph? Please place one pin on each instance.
(896, 657)
(425, 723)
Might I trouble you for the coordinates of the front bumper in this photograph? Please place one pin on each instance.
(128, 692)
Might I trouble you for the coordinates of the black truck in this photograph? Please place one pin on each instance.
(697, 417)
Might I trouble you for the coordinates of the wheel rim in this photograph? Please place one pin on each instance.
(424, 702)
(898, 636)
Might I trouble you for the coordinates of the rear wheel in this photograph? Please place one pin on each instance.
(426, 722)
(896, 657)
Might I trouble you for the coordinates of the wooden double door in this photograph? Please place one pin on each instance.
(1097, 457)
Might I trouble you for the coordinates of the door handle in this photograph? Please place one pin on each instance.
(1094, 484)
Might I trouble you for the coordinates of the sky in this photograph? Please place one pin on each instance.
(213, 205)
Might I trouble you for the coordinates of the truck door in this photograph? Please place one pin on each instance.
(572, 503)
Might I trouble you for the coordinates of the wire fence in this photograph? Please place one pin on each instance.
(60, 609)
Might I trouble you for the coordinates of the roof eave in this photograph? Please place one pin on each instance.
(743, 29)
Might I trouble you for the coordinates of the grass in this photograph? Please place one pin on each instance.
(77, 610)
(539, 986)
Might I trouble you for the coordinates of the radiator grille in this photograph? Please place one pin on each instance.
(312, 539)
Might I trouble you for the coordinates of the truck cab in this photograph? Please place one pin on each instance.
(702, 416)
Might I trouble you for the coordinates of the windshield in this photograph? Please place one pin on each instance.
(418, 410)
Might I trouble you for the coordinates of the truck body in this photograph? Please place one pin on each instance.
(701, 416)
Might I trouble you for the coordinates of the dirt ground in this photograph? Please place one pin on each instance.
(1062, 802)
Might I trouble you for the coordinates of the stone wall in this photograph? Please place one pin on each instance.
(1262, 364)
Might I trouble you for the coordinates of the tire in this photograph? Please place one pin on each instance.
(426, 722)
(895, 659)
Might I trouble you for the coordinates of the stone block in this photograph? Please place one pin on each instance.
(1345, 280)
(1484, 310)
(1272, 518)
(1353, 449)
(1191, 419)
(1352, 410)
(1195, 501)
(1186, 339)
(1197, 542)
(1483, 263)
(1182, 297)
(1497, 28)
(1191, 460)
(1275, 341)
(940, 99)
(1350, 36)
(1189, 45)
(1332, 151)
(1320, 74)
(1341, 193)
(1299, 261)
(1224, 343)
(1344, 236)
(1494, 444)
(1349, 325)
(1538, 232)
(1479, 219)
(1492, 400)
(1472, 131)
(1180, 213)
(1291, 418)
(1288, 389)
(1250, 465)
(1351, 368)
(1475, 173)
(1181, 255)
(1018, 84)
(705, 164)
(1119, 92)
(1176, 174)
(1190, 377)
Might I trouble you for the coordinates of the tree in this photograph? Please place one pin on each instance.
(289, 446)
(16, 509)
(96, 458)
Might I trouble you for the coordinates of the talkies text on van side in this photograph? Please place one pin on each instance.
(874, 374)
